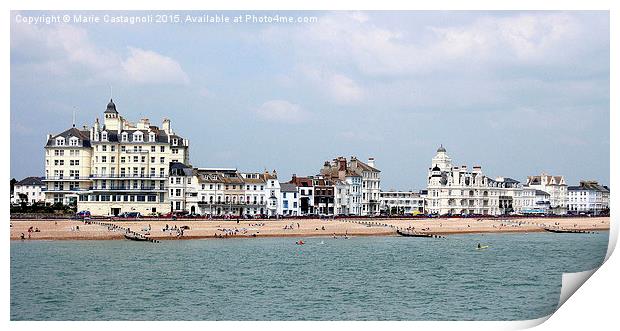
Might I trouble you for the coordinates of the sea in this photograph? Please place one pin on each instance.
(517, 277)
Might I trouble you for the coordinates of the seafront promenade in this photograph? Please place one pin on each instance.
(199, 229)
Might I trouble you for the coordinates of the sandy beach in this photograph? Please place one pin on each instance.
(78, 230)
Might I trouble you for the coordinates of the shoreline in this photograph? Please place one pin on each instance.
(53, 230)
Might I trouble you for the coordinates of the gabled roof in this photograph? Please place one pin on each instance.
(84, 136)
(31, 181)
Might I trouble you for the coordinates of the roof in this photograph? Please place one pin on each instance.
(180, 169)
(288, 187)
(30, 181)
(589, 186)
(540, 192)
(111, 108)
(84, 136)
(160, 136)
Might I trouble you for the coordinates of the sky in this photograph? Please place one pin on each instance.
(518, 93)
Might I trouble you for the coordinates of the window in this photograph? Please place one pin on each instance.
(152, 138)
(104, 158)
(175, 151)
(124, 137)
(162, 149)
(143, 159)
(162, 159)
(112, 159)
(104, 148)
(60, 141)
(153, 149)
(112, 148)
(135, 158)
(122, 148)
(175, 141)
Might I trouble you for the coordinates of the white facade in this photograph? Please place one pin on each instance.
(458, 191)
(289, 200)
(363, 182)
(557, 189)
(31, 188)
(402, 203)
(589, 197)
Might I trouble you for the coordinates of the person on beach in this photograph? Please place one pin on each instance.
(22, 236)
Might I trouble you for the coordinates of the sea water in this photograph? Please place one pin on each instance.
(361, 278)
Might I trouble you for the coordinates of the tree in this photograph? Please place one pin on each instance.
(13, 182)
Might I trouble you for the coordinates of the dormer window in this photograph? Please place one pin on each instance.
(74, 141)
(137, 136)
(152, 137)
(124, 137)
(175, 141)
(60, 141)
(104, 136)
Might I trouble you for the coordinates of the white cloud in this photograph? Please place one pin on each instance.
(148, 67)
(63, 50)
(342, 38)
(281, 111)
(338, 87)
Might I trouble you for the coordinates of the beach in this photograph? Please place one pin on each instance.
(199, 229)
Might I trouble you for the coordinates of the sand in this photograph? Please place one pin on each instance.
(67, 229)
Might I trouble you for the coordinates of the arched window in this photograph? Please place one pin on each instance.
(104, 136)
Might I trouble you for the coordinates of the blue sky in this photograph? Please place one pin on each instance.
(515, 92)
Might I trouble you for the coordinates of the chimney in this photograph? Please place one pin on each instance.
(166, 126)
(371, 161)
(342, 164)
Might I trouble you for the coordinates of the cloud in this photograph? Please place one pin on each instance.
(148, 67)
(66, 50)
(376, 48)
(281, 111)
(336, 86)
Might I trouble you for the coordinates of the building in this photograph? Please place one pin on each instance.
(223, 191)
(305, 187)
(323, 196)
(67, 165)
(588, 198)
(371, 185)
(532, 201)
(289, 200)
(557, 189)
(454, 190)
(29, 190)
(362, 182)
(274, 207)
(114, 167)
(401, 203)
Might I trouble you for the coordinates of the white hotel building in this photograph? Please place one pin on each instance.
(458, 191)
(114, 167)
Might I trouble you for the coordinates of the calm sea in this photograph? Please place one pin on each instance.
(363, 278)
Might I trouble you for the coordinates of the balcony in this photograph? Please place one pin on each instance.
(126, 176)
(127, 188)
(58, 189)
(66, 178)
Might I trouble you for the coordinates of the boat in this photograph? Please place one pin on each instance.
(301, 242)
(414, 234)
(482, 247)
(136, 238)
